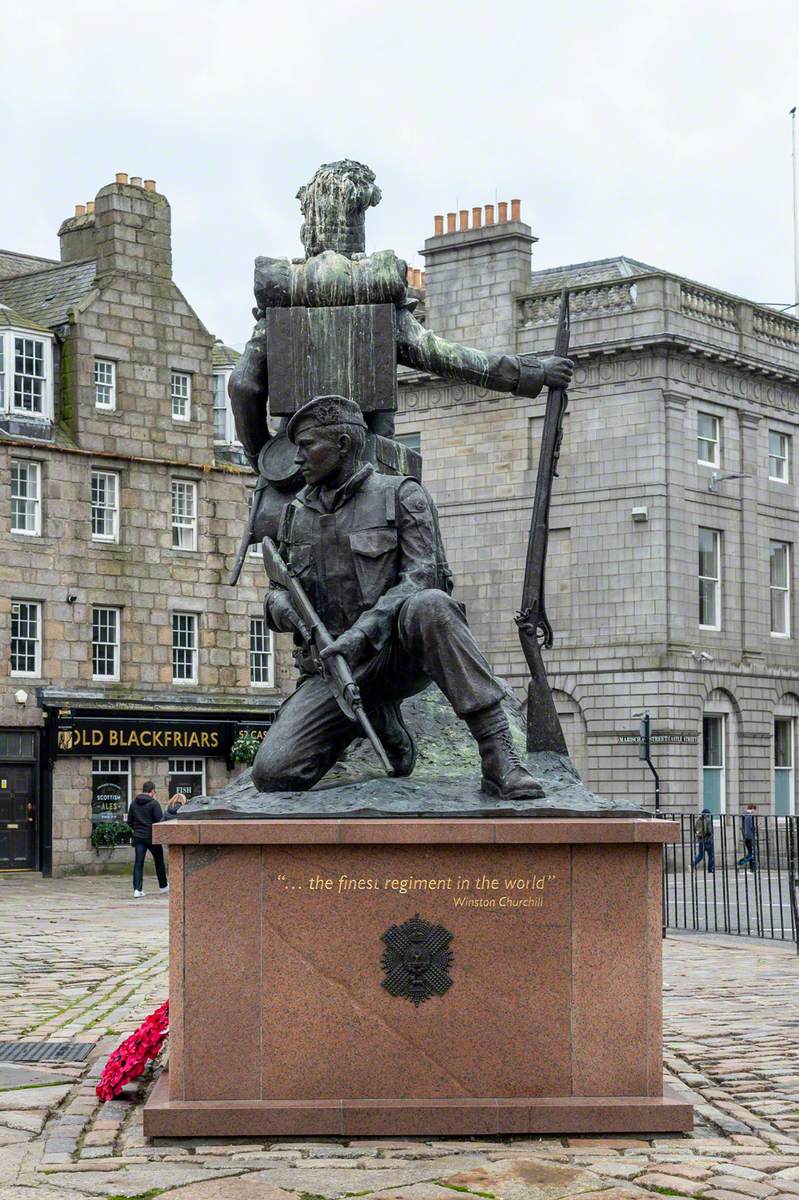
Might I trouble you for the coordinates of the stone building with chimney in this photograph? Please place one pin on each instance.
(671, 576)
(125, 653)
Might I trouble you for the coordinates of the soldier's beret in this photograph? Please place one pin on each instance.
(326, 410)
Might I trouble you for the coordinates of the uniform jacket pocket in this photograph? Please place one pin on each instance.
(374, 552)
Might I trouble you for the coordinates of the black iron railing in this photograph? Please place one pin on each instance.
(713, 885)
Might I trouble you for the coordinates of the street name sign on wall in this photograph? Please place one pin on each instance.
(635, 739)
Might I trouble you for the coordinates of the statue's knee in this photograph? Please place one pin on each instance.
(430, 606)
(272, 771)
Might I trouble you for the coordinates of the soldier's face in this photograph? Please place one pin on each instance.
(319, 453)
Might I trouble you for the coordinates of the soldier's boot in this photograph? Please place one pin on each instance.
(504, 775)
(398, 741)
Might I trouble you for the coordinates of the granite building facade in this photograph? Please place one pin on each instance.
(126, 654)
(671, 570)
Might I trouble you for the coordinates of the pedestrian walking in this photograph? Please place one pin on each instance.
(748, 828)
(144, 812)
(703, 831)
(176, 802)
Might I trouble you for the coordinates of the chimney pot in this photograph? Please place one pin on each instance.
(515, 210)
(489, 214)
(135, 180)
(464, 219)
(477, 217)
(503, 212)
(450, 222)
(149, 185)
(90, 206)
(438, 222)
(424, 279)
(80, 210)
(121, 177)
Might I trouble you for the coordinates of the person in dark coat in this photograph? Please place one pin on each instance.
(748, 834)
(703, 831)
(144, 812)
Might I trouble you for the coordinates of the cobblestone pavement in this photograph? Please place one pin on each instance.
(82, 961)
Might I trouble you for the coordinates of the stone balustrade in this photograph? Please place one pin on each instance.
(643, 301)
(775, 328)
(598, 299)
(708, 306)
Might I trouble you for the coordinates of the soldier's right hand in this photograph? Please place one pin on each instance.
(285, 615)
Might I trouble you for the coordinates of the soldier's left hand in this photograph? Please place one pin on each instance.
(557, 371)
(352, 645)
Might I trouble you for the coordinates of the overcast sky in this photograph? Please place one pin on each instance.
(655, 130)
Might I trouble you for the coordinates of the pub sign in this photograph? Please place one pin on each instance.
(132, 736)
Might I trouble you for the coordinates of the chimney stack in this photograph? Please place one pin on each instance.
(461, 218)
(133, 234)
(126, 228)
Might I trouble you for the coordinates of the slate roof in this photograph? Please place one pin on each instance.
(13, 263)
(599, 271)
(11, 319)
(45, 296)
(224, 356)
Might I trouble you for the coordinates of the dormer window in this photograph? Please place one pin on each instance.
(26, 374)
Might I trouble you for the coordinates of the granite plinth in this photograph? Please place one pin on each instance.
(280, 1024)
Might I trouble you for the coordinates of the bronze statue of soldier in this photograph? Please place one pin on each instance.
(366, 548)
(364, 542)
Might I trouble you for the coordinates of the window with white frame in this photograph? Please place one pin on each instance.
(181, 396)
(714, 782)
(220, 407)
(784, 787)
(184, 647)
(105, 506)
(779, 454)
(708, 451)
(26, 637)
(26, 497)
(709, 578)
(105, 643)
(26, 374)
(29, 375)
(261, 670)
(184, 514)
(105, 384)
(780, 588)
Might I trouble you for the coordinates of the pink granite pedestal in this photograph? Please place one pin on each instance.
(280, 1025)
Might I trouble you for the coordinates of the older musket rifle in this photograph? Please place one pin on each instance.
(535, 631)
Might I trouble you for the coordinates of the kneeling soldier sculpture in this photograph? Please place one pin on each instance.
(367, 550)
